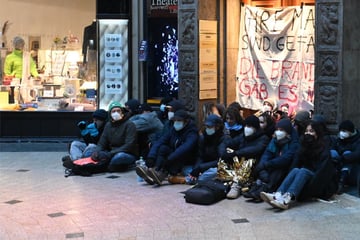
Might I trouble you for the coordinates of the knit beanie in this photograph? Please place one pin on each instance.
(252, 121)
(114, 105)
(100, 114)
(302, 116)
(176, 105)
(285, 124)
(272, 102)
(133, 105)
(347, 125)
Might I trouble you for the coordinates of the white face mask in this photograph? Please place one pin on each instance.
(279, 134)
(248, 131)
(210, 131)
(266, 108)
(178, 125)
(344, 134)
(170, 115)
(116, 116)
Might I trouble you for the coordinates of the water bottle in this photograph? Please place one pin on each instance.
(140, 163)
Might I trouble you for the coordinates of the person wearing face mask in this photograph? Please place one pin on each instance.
(249, 145)
(275, 161)
(233, 122)
(269, 107)
(346, 153)
(173, 151)
(312, 175)
(118, 141)
(211, 147)
(163, 111)
(90, 133)
(267, 124)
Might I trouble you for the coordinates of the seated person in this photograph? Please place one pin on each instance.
(211, 147)
(174, 150)
(233, 122)
(148, 126)
(346, 152)
(90, 132)
(118, 141)
(248, 145)
(313, 174)
(275, 161)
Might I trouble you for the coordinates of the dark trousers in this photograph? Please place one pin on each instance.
(162, 163)
(272, 178)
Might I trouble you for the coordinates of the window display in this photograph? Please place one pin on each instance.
(64, 84)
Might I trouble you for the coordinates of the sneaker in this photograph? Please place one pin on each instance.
(178, 179)
(157, 176)
(234, 192)
(66, 158)
(268, 197)
(249, 194)
(143, 172)
(282, 203)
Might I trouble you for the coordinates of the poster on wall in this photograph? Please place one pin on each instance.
(113, 61)
(276, 56)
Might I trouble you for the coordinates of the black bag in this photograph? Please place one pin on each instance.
(85, 167)
(207, 193)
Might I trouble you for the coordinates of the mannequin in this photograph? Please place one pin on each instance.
(89, 39)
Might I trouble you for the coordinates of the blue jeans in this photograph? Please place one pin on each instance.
(295, 181)
(122, 159)
(205, 176)
(79, 149)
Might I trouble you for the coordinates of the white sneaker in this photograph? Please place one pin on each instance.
(282, 203)
(234, 192)
(268, 197)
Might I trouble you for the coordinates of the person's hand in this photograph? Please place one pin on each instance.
(195, 173)
(100, 156)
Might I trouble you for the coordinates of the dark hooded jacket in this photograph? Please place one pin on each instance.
(183, 143)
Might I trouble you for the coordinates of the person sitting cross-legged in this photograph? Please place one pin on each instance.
(172, 151)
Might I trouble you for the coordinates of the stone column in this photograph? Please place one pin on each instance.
(328, 61)
(188, 53)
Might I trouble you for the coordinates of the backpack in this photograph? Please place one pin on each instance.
(207, 192)
(85, 166)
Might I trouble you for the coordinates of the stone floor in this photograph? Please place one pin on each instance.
(38, 202)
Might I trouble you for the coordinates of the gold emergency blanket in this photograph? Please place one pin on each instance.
(239, 171)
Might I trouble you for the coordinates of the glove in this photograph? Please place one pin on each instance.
(195, 172)
(228, 157)
(90, 129)
(81, 125)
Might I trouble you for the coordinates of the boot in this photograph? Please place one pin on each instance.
(341, 184)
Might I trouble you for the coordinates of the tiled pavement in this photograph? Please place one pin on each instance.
(38, 202)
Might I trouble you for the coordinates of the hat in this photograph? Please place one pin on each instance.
(272, 102)
(180, 115)
(18, 43)
(285, 124)
(100, 114)
(133, 105)
(176, 105)
(212, 120)
(347, 125)
(252, 121)
(115, 105)
(302, 116)
(145, 107)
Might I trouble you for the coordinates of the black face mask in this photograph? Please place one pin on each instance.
(309, 139)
